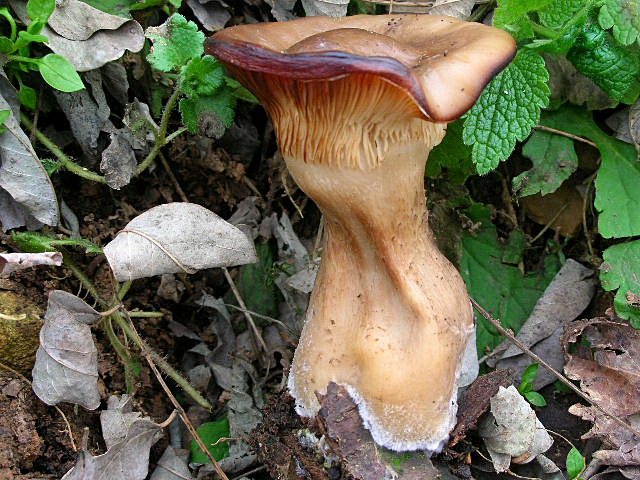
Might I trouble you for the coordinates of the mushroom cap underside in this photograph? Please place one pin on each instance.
(441, 63)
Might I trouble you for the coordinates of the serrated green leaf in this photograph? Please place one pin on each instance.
(59, 73)
(620, 271)
(507, 110)
(554, 160)
(502, 289)
(201, 76)
(529, 375)
(210, 433)
(40, 10)
(36, 243)
(175, 42)
(114, 7)
(558, 12)
(51, 166)
(618, 181)
(28, 96)
(510, 11)
(195, 110)
(623, 17)
(453, 155)
(534, 398)
(575, 463)
(612, 67)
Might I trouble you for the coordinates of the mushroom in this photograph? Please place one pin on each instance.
(357, 103)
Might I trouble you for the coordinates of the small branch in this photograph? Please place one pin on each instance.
(175, 403)
(565, 134)
(168, 421)
(585, 202)
(146, 314)
(548, 367)
(172, 177)
(548, 225)
(64, 417)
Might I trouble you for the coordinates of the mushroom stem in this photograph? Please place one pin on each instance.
(389, 316)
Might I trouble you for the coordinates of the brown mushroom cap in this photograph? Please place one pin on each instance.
(440, 62)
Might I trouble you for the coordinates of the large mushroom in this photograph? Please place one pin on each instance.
(357, 103)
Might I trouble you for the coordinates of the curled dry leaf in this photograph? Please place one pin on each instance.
(118, 159)
(511, 431)
(66, 368)
(116, 420)
(173, 238)
(172, 465)
(330, 8)
(76, 20)
(12, 262)
(609, 372)
(23, 177)
(127, 459)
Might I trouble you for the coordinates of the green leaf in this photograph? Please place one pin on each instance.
(514, 247)
(239, 91)
(202, 76)
(25, 38)
(612, 67)
(618, 181)
(115, 7)
(575, 463)
(529, 375)
(6, 45)
(507, 110)
(175, 42)
(40, 10)
(210, 433)
(59, 73)
(502, 289)
(28, 96)
(534, 398)
(35, 28)
(554, 160)
(51, 166)
(557, 13)
(511, 15)
(4, 114)
(623, 17)
(196, 112)
(453, 155)
(256, 285)
(36, 243)
(620, 271)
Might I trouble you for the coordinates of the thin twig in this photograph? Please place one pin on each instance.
(176, 404)
(173, 178)
(64, 417)
(548, 367)
(250, 472)
(170, 419)
(174, 472)
(548, 225)
(585, 201)
(283, 179)
(509, 471)
(256, 314)
(565, 134)
(244, 310)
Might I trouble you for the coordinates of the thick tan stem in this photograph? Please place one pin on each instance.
(389, 316)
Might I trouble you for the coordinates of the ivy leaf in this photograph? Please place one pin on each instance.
(554, 160)
(451, 154)
(202, 76)
(511, 15)
(612, 67)
(618, 180)
(502, 289)
(534, 398)
(507, 110)
(196, 112)
(59, 73)
(175, 42)
(620, 271)
(575, 463)
(623, 17)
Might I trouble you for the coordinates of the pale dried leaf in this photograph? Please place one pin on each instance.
(126, 460)
(22, 175)
(117, 419)
(453, 8)
(76, 20)
(119, 160)
(512, 429)
(211, 15)
(172, 460)
(14, 215)
(12, 262)
(100, 48)
(66, 368)
(176, 237)
(114, 77)
(566, 297)
(330, 8)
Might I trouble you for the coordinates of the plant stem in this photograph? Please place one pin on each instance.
(19, 58)
(543, 31)
(146, 314)
(124, 289)
(122, 323)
